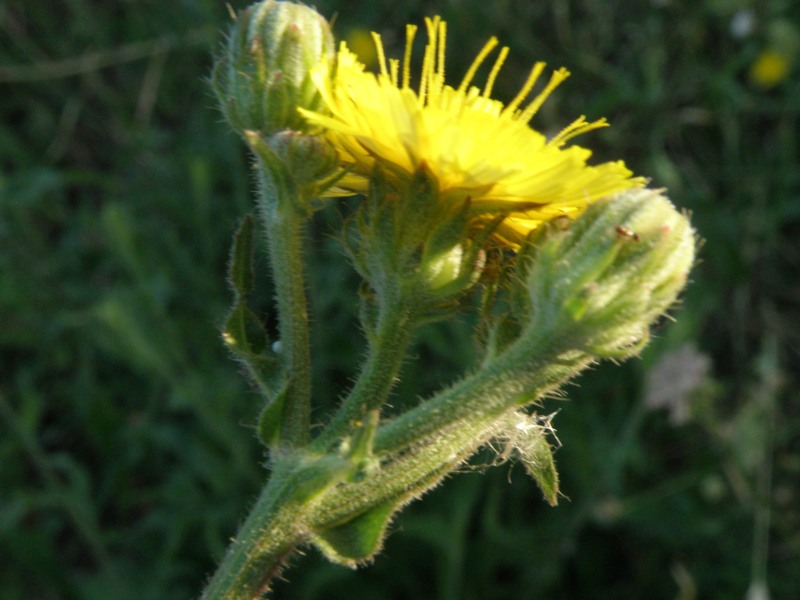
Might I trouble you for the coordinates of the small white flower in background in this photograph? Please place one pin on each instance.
(672, 381)
(743, 23)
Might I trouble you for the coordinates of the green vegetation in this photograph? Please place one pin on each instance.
(128, 453)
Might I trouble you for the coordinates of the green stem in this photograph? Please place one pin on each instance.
(421, 446)
(525, 372)
(268, 536)
(284, 225)
(417, 450)
(275, 527)
(388, 344)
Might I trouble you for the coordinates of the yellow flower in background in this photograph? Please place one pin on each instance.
(362, 45)
(475, 146)
(770, 68)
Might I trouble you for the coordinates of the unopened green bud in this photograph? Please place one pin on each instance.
(298, 167)
(309, 158)
(445, 268)
(621, 266)
(263, 74)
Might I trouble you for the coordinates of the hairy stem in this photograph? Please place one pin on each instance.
(417, 450)
(524, 373)
(284, 227)
(268, 536)
(388, 344)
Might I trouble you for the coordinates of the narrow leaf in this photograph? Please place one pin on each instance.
(270, 419)
(536, 456)
(240, 267)
(243, 332)
(359, 539)
(525, 435)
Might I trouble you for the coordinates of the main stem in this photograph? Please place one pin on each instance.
(256, 554)
(274, 528)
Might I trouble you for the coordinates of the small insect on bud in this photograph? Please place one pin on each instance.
(627, 233)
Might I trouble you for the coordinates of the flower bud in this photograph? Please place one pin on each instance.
(621, 265)
(445, 268)
(309, 158)
(297, 168)
(263, 74)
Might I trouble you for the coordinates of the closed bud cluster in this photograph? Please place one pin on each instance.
(264, 72)
(622, 265)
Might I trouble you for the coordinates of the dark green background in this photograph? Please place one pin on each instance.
(127, 450)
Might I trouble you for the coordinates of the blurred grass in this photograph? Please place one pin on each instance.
(127, 450)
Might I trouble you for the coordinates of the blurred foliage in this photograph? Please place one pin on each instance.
(127, 448)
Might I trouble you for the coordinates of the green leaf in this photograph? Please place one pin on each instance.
(536, 456)
(525, 435)
(243, 332)
(357, 540)
(271, 417)
(240, 269)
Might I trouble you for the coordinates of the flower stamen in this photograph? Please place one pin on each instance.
(473, 68)
(556, 79)
(411, 32)
(498, 64)
(577, 127)
(376, 37)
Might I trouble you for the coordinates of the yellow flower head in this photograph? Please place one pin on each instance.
(770, 68)
(474, 146)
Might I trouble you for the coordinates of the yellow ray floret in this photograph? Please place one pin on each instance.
(475, 146)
